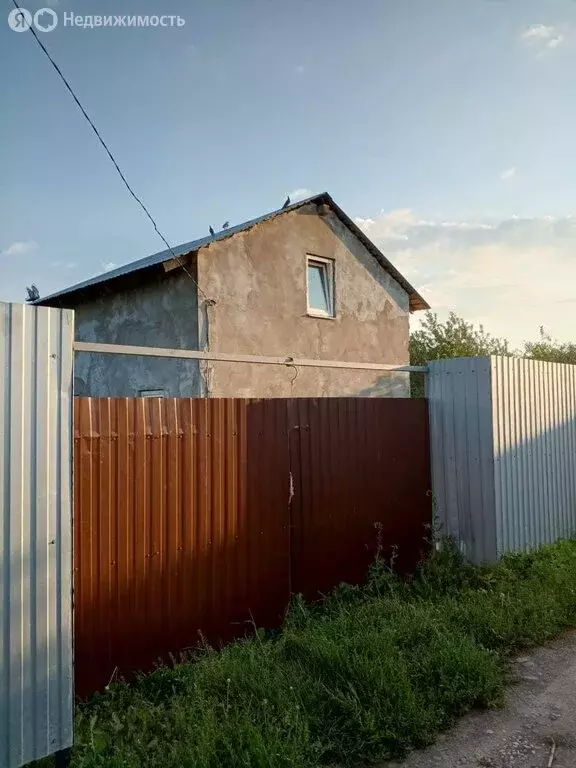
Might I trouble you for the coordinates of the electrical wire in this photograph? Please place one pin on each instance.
(103, 143)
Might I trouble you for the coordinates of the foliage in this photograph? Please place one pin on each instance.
(550, 350)
(436, 340)
(367, 674)
(453, 338)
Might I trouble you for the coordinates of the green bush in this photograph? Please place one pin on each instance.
(365, 675)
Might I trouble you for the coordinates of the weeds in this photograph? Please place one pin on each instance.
(368, 674)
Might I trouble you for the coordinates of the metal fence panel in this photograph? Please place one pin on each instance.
(503, 443)
(361, 483)
(462, 453)
(182, 527)
(203, 515)
(36, 698)
(534, 407)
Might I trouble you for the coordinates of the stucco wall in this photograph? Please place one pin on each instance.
(258, 282)
(161, 313)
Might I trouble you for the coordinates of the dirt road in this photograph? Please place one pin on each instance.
(537, 728)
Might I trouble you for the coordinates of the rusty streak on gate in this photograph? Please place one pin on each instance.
(186, 526)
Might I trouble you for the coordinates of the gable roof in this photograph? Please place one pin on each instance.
(416, 301)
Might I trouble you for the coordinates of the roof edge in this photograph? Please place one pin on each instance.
(416, 301)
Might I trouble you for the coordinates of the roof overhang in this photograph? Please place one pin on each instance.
(174, 257)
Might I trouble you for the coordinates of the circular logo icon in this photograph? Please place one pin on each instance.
(45, 20)
(20, 20)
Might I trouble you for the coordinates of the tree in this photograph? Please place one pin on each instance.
(436, 340)
(550, 350)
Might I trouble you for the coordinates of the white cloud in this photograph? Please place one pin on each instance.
(299, 194)
(538, 32)
(513, 275)
(393, 225)
(508, 174)
(554, 42)
(108, 265)
(20, 248)
(542, 36)
(299, 69)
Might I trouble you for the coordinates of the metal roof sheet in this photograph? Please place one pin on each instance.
(416, 301)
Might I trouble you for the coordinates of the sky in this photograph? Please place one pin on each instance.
(445, 128)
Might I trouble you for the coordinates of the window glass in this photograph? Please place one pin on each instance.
(318, 289)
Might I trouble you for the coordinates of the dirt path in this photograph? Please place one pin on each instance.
(536, 729)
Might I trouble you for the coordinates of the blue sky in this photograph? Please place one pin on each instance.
(446, 128)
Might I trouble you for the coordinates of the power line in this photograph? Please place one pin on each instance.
(101, 140)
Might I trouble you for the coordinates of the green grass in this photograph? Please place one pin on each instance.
(368, 674)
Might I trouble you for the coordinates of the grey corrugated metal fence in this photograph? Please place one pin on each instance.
(503, 445)
(35, 532)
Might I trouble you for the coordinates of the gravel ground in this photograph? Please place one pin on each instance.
(536, 729)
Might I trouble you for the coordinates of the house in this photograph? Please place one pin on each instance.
(301, 282)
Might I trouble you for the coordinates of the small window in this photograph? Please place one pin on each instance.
(320, 279)
(152, 393)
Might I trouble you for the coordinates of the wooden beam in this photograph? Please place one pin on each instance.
(224, 357)
(180, 261)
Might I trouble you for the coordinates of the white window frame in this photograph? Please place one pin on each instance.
(329, 266)
(152, 393)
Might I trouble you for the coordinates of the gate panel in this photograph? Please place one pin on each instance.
(202, 516)
(361, 475)
(181, 528)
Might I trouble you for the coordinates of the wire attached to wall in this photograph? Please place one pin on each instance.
(290, 364)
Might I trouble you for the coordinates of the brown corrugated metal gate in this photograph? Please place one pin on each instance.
(202, 516)
(361, 476)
